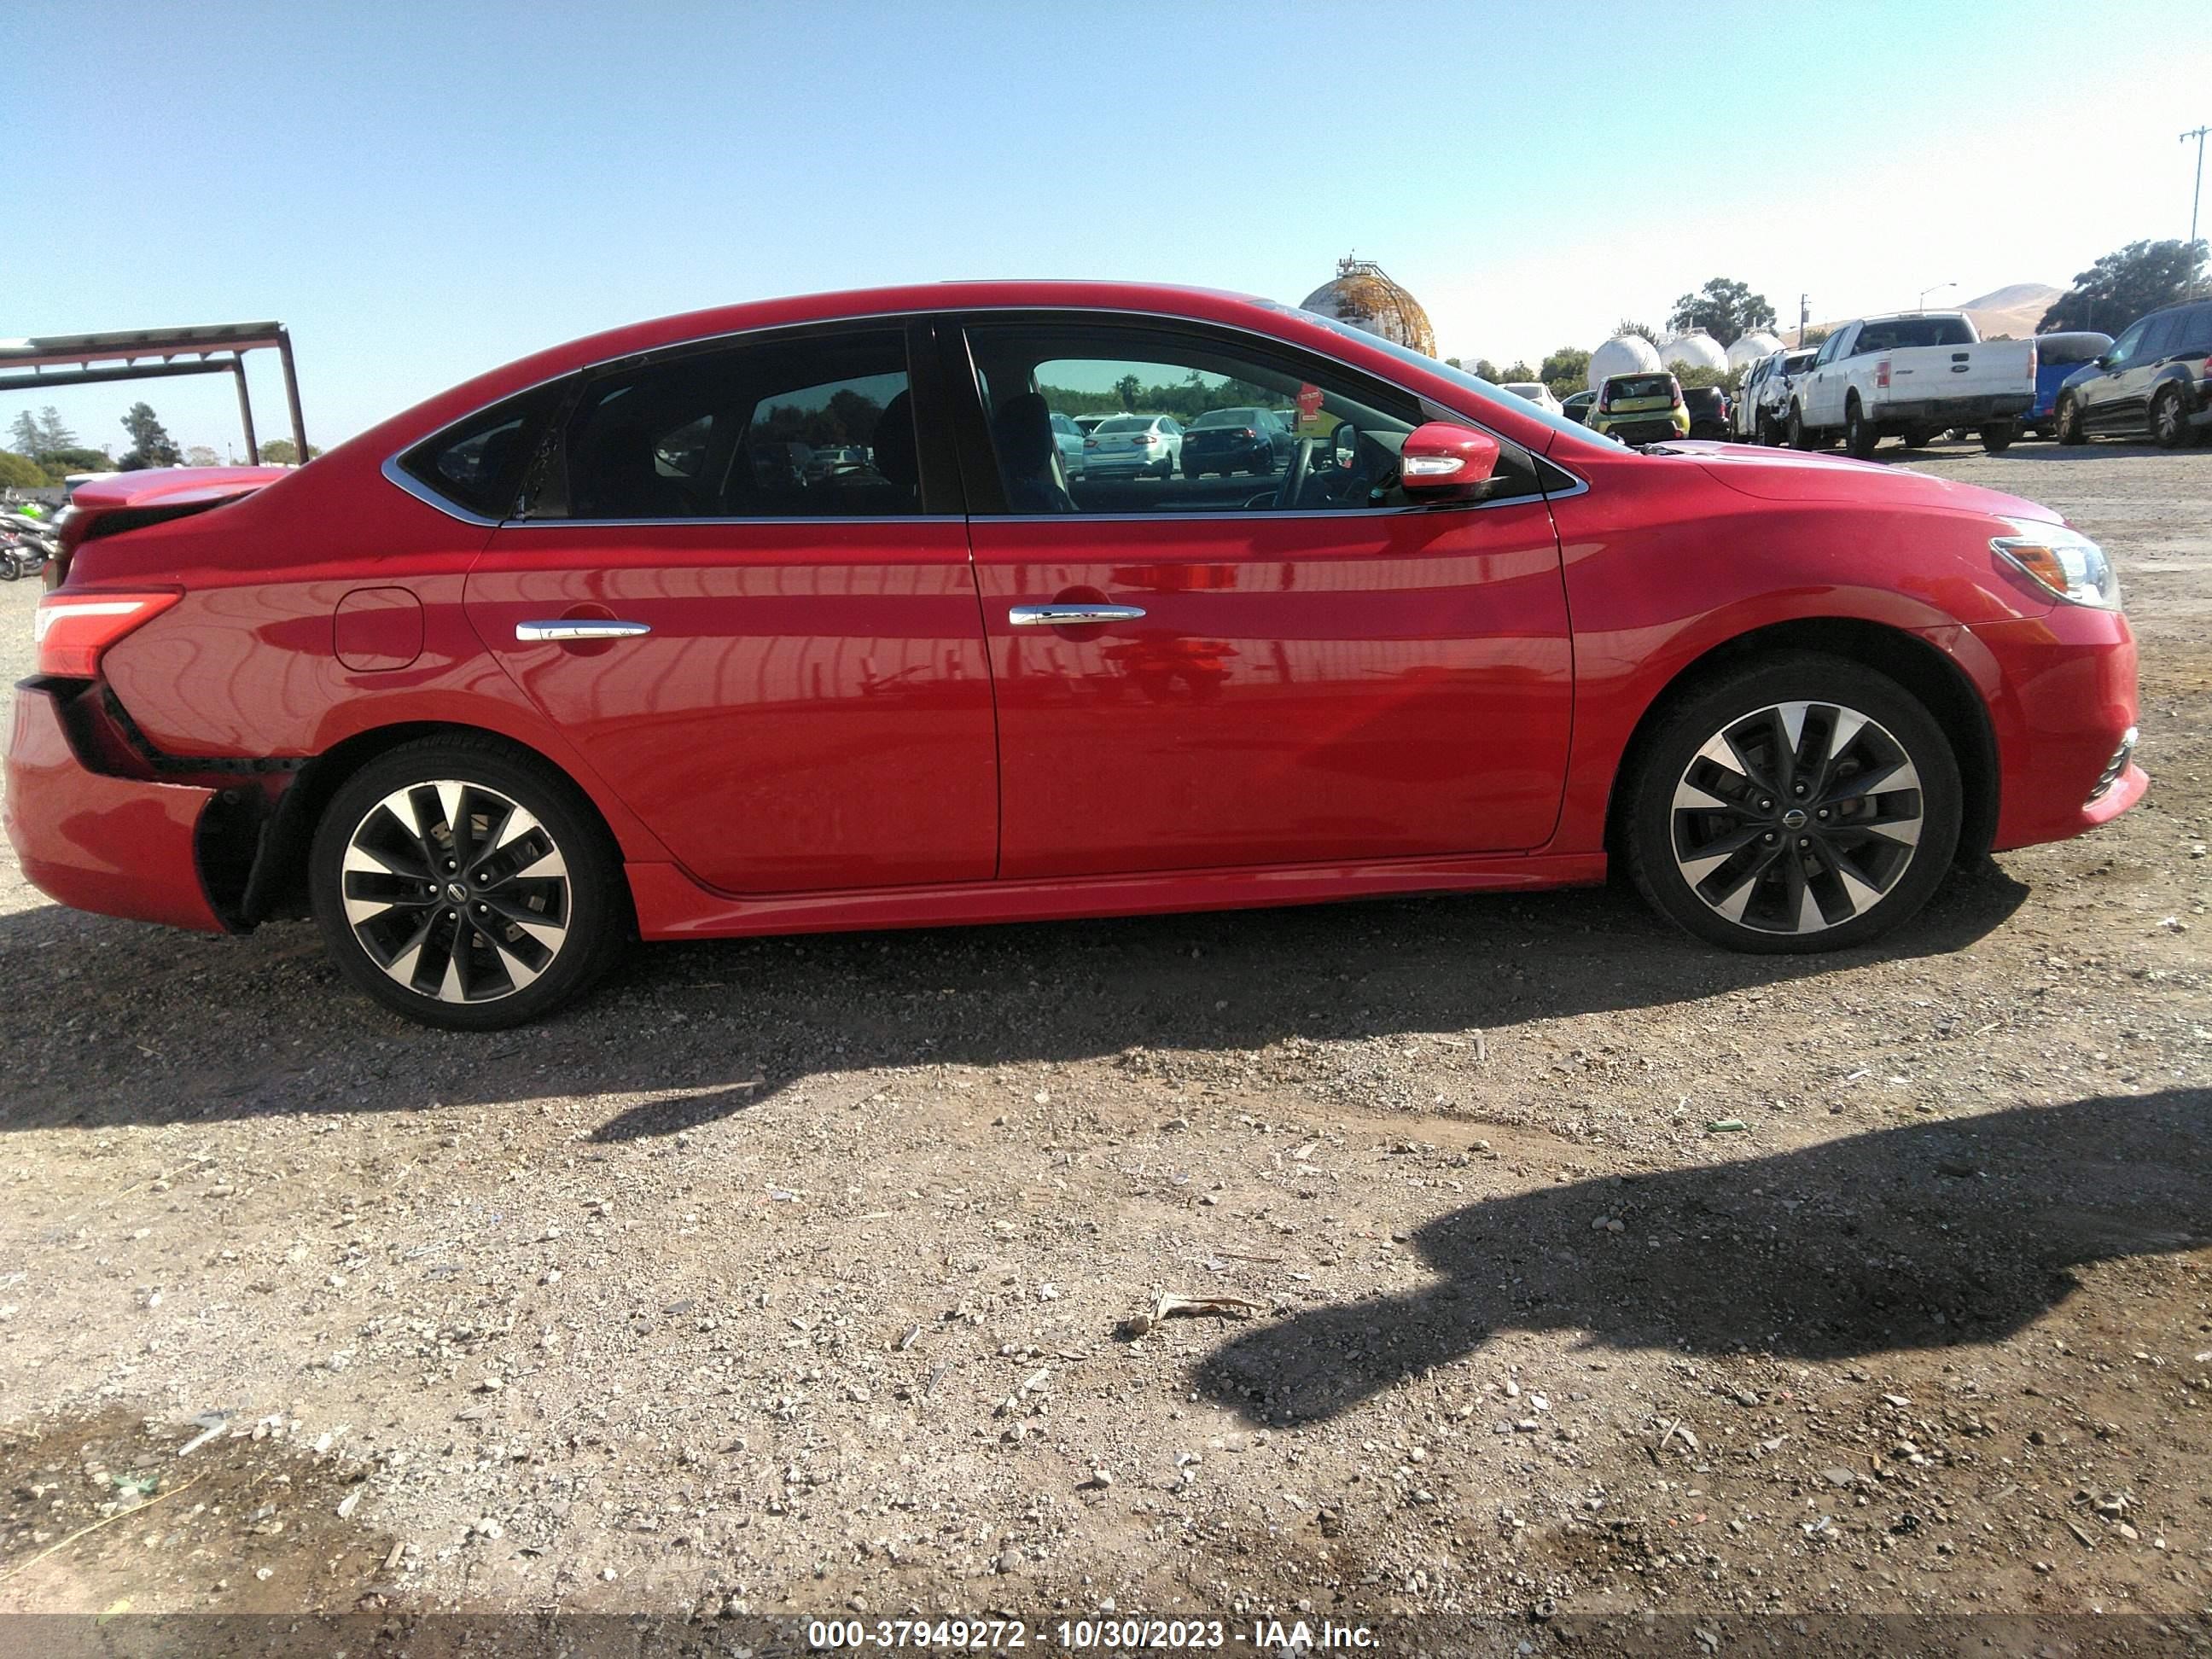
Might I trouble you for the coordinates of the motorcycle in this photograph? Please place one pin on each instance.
(26, 545)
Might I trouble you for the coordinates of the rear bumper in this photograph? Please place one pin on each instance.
(2068, 703)
(122, 846)
(1956, 411)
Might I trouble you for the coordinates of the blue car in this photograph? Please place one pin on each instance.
(2057, 358)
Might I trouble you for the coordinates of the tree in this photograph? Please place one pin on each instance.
(1518, 369)
(54, 433)
(1567, 367)
(21, 472)
(1484, 369)
(1641, 331)
(24, 433)
(1128, 388)
(2124, 285)
(60, 463)
(151, 443)
(1813, 337)
(201, 455)
(278, 451)
(1726, 310)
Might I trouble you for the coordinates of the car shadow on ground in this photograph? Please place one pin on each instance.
(1928, 1236)
(702, 1031)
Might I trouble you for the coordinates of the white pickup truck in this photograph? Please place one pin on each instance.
(1911, 376)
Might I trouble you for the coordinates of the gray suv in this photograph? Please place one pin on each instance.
(2151, 383)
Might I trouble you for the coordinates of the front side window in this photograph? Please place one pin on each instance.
(2124, 348)
(1193, 423)
(818, 425)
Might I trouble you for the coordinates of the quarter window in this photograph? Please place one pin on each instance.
(819, 426)
(477, 464)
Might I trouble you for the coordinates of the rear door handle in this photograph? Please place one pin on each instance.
(1071, 616)
(579, 627)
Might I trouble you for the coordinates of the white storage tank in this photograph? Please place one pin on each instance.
(1750, 347)
(1625, 354)
(1698, 351)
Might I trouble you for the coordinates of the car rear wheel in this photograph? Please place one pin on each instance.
(463, 884)
(1998, 436)
(1804, 803)
(2168, 430)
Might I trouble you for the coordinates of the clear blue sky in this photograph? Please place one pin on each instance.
(421, 191)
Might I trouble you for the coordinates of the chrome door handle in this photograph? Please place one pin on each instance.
(579, 627)
(1070, 615)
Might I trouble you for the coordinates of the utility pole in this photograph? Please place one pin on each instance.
(1804, 317)
(2198, 134)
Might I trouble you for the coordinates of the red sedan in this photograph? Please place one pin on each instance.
(597, 646)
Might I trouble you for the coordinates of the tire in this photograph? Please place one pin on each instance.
(2069, 422)
(2169, 428)
(395, 816)
(1873, 864)
(1190, 472)
(1998, 436)
(1861, 436)
(1800, 436)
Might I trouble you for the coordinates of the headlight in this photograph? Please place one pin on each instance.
(2063, 561)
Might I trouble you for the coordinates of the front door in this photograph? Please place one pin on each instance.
(743, 591)
(1293, 667)
(2104, 395)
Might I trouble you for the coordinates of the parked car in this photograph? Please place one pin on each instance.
(1240, 439)
(2057, 358)
(2155, 382)
(1534, 391)
(1578, 405)
(1762, 403)
(1138, 445)
(1912, 376)
(488, 689)
(1640, 408)
(1708, 409)
(1069, 437)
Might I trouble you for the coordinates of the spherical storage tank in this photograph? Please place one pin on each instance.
(1362, 296)
(1625, 354)
(1694, 351)
(1750, 347)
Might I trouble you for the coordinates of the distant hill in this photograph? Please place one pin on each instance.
(2015, 309)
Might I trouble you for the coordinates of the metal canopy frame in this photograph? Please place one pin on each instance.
(211, 348)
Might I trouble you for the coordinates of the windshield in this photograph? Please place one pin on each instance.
(1480, 394)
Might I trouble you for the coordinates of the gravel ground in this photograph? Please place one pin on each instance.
(801, 1275)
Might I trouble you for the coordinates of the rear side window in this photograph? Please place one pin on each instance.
(2197, 332)
(818, 426)
(2160, 334)
(477, 464)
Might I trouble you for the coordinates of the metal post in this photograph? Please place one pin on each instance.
(246, 412)
(2198, 134)
(292, 394)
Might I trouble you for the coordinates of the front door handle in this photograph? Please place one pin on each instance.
(1071, 616)
(579, 627)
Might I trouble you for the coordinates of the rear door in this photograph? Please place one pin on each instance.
(1257, 670)
(2132, 405)
(778, 667)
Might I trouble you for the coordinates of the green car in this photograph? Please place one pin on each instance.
(1640, 408)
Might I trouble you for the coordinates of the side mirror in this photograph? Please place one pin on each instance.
(1443, 456)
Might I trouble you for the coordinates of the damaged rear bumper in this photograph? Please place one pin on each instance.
(119, 846)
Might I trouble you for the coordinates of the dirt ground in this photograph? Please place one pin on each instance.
(795, 1275)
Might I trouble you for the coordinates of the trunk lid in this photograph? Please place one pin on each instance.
(130, 500)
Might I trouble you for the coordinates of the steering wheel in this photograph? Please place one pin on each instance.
(1295, 475)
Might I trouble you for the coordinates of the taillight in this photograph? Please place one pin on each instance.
(72, 630)
(2034, 364)
(1881, 375)
(1091, 443)
(1251, 432)
(1675, 402)
(1142, 438)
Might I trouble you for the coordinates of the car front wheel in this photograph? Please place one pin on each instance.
(463, 884)
(1806, 804)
